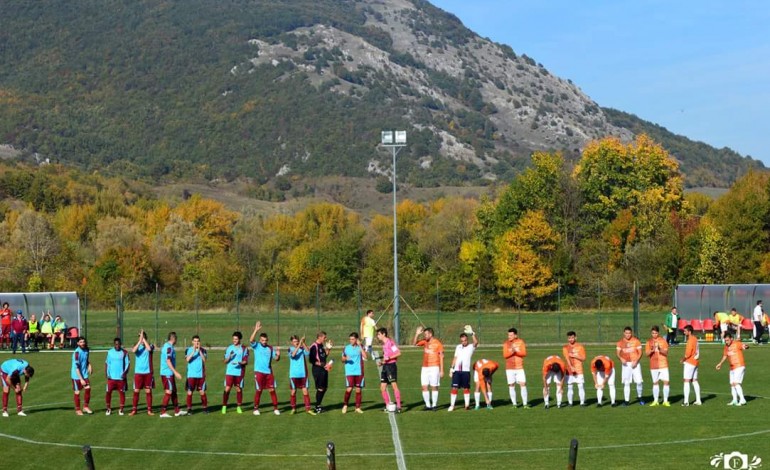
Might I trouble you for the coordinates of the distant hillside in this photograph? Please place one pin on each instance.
(211, 90)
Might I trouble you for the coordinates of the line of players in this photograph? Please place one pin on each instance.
(569, 368)
(555, 370)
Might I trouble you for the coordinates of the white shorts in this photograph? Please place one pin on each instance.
(429, 376)
(575, 379)
(367, 341)
(690, 372)
(552, 376)
(723, 327)
(736, 375)
(516, 376)
(659, 375)
(630, 374)
(601, 379)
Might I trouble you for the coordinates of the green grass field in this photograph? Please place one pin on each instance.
(504, 437)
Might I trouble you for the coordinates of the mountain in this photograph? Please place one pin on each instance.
(260, 89)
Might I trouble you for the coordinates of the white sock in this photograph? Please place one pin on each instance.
(627, 392)
(559, 394)
(639, 391)
(739, 389)
(655, 392)
(452, 399)
(546, 398)
(477, 397)
(696, 387)
(489, 394)
(687, 392)
(735, 394)
(434, 395)
(599, 395)
(569, 394)
(666, 391)
(426, 398)
(512, 393)
(612, 393)
(523, 395)
(467, 398)
(582, 394)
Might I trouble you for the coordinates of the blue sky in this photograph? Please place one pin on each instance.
(699, 68)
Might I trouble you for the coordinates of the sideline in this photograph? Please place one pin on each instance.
(397, 442)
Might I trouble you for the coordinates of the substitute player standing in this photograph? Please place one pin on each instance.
(460, 369)
(196, 357)
(368, 329)
(264, 379)
(115, 369)
(656, 349)
(143, 372)
(514, 352)
(236, 357)
(603, 370)
(554, 369)
(734, 353)
(81, 377)
(168, 375)
(353, 355)
(574, 356)
(482, 375)
(690, 361)
(389, 375)
(629, 352)
(10, 376)
(432, 366)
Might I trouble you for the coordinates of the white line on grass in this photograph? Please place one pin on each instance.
(397, 442)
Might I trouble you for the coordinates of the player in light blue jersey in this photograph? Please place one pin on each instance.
(236, 358)
(353, 356)
(298, 373)
(80, 374)
(116, 369)
(196, 357)
(143, 372)
(11, 372)
(263, 368)
(168, 374)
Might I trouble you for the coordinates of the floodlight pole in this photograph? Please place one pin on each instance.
(395, 141)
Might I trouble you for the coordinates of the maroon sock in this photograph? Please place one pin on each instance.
(225, 397)
(347, 397)
(239, 397)
(274, 398)
(135, 403)
(204, 401)
(108, 399)
(189, 401)
(358, 399)
(87, 397)
(257, 398)
(77, 401)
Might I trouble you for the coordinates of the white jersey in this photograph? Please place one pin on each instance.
(758, 311)
(463, 357)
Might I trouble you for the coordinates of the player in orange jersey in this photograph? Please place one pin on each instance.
(657, 350)
(734, 352)
(482, 375)
(603, 370)
(432, 365)
(554, 369)
(574, 356)
(690, 361)
(514, 352)
(629, 351)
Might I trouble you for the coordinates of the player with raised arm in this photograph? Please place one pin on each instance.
(317, 353)
(656, 349)
(554, 369)
(196, 357)
(298, 373)
(483, 371)
(353, 355)
(264, 379)
(629, 352)
(80, 374)
(168, 375)
(116, 369)
(143, 372)
(574, 356)
(432, 366)
(11, 372)
(237, 358)
(603, 370)
(690, 362)
(389, 374)
(460, 370)
(734, 353)
(514, 352)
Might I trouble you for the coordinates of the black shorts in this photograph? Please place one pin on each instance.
(389, 373)
(461, 379)
(320, 377)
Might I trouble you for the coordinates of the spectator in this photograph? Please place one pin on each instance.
(19, 332)
(759, 328)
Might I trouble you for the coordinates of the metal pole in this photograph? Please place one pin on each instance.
(331, 458)
(238, 307)
(573, 451)
(317, 305)
(396, 315)
(157, 311)
(89, 457)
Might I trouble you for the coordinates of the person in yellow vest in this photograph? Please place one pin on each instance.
(59, 331)
(46, 330)
(33, 332)
(721, 321)
(736, 320)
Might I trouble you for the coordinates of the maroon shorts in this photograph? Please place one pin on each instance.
(196, 384)
(354, 381)
(168, 383)
(264, 381)
(77, 386)
(116, 385)
(234, 381)
(143, 381)
(297, 383)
